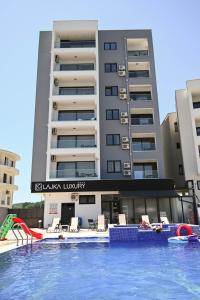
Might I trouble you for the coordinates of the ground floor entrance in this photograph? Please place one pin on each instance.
(67, 212)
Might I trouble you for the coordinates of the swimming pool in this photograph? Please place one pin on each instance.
(101, 271)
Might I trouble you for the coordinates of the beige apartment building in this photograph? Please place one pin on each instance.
(181, 144)
(8, 172)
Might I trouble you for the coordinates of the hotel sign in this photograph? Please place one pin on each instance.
(101, 185)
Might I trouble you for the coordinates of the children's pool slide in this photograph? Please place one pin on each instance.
(34, 234)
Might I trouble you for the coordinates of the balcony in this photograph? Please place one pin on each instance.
(73, 143)
(8, 169)
(75, 44)
(138, 53)
(140, 96)
(142, 119)
(76, 91)
(74, 115)
(76, 67)
(143, 144)
(138, 74)
(72, 173)
(148, 174)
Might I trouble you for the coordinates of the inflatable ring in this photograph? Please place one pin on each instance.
(186, 227)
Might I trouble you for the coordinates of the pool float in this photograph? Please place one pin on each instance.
(191, 237)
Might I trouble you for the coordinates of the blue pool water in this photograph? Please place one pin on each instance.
(101, 271)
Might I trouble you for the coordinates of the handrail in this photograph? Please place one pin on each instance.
(22, 238)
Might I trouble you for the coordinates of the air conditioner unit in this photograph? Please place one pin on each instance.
(121, 73)
(124, 120)
(122, 90)
(53, 158)
(124, 114)
(127, 165)
(125, 139)
(125, 146)
(123, 96)
(55, 106)
(127, 172)
(74, 197)
(57, 59)
(56, 82)
(121, 68)
(54, 131)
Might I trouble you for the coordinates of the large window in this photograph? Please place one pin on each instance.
(76, 141)
(114, 166)
(110, 67)
(111, 91)
(73, 115)
(141, 119)
(75, 169)
(77, 44)
(198, 131)
(76, 67)
(87, 199)
(143, 144)
(145, 170)
(140, 96)
(4, 178)
(112, 114)
(112, 139)
(86, 90)
(196, 104)
(139, 73)
(110, 46)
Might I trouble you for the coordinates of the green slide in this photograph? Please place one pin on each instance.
(6, 226)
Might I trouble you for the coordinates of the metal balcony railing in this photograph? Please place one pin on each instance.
(73, 173)
(146, 174)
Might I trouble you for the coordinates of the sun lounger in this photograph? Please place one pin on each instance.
(122, 219)
(164, 220)
(145, 222)
(55, 225)
(101, 223)
(74, 224)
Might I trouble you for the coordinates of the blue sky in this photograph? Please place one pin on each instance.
(175, 25)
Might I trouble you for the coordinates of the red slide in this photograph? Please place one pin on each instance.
(34, 234)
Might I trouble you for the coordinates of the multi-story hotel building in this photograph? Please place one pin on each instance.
(8, 172)
(180, 133)
(97, 143)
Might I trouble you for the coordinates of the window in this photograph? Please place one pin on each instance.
(198, 131)
(114, 166)
(180, 168)
(87, 199)
(75, 169)
(175, 126)
(75, 141)
(12, 163)
(111, 91)
(8, 200)
(110, 68)
(73, 115)
(112, 139)
(4, 178)
(6, 161)
(112, 114)
(143, 144)
(140, 96)
(110, 46)
(11, 180)
(141, 119)
(178, 146)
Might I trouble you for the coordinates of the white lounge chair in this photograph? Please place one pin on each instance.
(55, 225)
(101, 223)
(145, 222)
(122, 219)
(164, 220)
(74, 224)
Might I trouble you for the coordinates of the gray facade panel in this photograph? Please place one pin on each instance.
(119, 56)
(41, 108)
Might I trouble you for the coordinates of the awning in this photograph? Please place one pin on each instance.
(149, 194)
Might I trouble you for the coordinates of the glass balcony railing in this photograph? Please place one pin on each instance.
(140, 96)
(138, 53)
(74, 144)
(76, 91)
(141, 121)
(196, 104)
(76, 67)
(138, 74)
(143, 147)
(73, 173)
(74, 116)
(76, 44)
(146, 174)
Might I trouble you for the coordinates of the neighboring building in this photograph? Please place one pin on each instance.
(8, 172)
(172, 151)
(97, 143)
